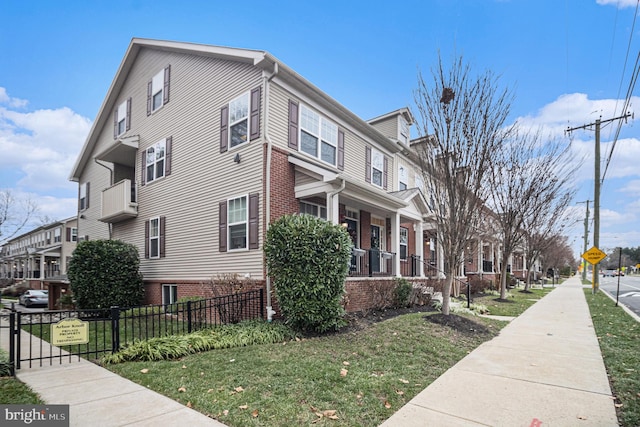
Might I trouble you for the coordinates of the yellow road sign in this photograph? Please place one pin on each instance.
(594, 255)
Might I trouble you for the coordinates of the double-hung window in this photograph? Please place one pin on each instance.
(318, 136)
(402, 178)
(74, 234)
(377, 167)
(404, 241)
(238, 223)
(155, 160)
(239, 120)
(57, 235)
(404, 130)
(84, 196)
(157, 89)
(122, 119)
(154, 237)
(169, 294)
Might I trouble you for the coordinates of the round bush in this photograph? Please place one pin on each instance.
(105, 273)
(308, 258)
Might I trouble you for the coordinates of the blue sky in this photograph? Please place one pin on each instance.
(564, 60)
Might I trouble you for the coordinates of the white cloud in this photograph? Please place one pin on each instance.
(41, 144)
(11, 102)
(621, 4)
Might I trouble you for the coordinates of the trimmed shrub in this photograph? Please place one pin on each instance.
(104, 273)
(402, 292)
(308, 258)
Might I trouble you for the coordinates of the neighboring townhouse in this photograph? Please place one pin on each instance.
(40, 255)
(197, 148)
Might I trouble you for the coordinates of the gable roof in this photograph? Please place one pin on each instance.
(258, 58)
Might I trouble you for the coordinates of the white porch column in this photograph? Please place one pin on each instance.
(419, 239)
(395, 242)
(333, 210)
(42, 267)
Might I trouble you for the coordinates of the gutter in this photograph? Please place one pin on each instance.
(267, 198)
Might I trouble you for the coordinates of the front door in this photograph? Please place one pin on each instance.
(375, 248)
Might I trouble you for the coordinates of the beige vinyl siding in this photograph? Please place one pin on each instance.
(88, 225)
(201, 176)
(354, 144)
(388, 127)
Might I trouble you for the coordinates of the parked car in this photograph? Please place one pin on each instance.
(611, 273)
(34, 297)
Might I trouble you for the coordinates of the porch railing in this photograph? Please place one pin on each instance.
(371, 263)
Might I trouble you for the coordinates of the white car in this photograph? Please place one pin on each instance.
(34, 297)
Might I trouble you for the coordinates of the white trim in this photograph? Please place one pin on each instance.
(246, 224)
(246, 117)
(316, 130)
(162, 143)
(153, 238)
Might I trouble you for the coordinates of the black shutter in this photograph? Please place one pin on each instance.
(162, 235)
(115, 124)
(143, 167)
(368, 164)
(293, 125)
(254, 123)
(222, 227)
(340, 150)
(146, 239)
(254, 215)
(128, 120)
(167, 79)
(167, 156)
(68, 234)
(149, 90)
(386, 168)
(224, 128)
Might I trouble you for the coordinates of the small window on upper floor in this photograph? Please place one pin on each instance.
(83, 200)
(404, 131)
(158, 90)
(419, 181)
(377, 167)
(318, 136)
(155, 161)
(74, 234)
(57, 235)
(122, 118)
(402, 178)
(239, 120)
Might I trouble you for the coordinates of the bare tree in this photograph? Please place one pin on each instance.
(15, 214)
(461, 124)
(558, 254)
(530, 178)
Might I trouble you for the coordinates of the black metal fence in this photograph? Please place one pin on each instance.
(110, 329)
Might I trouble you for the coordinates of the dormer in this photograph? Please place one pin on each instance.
(395, 125)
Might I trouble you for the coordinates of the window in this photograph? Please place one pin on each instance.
(404, 240)
(377, 167)
(237, 215)
(402, 178)
(155, 160)
(84, 196)
(48, 242)
(122, 118)
(154, 237)
(57, 235)
(419, 181)
(158, 90)
(318, 136)
(74, 234)
(404, 130)
(169, 294)
(313, 209)
(239, 120)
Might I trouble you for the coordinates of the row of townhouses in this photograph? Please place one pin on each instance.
(197, 148)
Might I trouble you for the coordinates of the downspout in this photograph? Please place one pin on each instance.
(332, 194)
(267, 197)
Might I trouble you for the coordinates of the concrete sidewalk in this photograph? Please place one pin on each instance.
(544, 369)
(96, 396)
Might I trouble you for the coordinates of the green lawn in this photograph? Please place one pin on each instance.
(516, 302)
(619, 337)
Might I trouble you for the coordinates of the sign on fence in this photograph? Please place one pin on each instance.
(69, 331)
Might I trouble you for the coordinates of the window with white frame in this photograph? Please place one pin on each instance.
(237, 214)
(154, 237)
(403, 178)
(121, 124)
(157, 89)
(318, 136)
(156, 160)
(377, 167)
(74, 234)
(169, 294)
(313, 209)
(419, 181)
(84, 201)
(404, 241)
(57, 235)
(239, 120)
(404, 130)
(48, 238)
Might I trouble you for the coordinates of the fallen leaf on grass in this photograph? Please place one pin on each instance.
(329, 413)
(387, 404)
(403, 381)
(618, 405)
(189, 405)
(144, 371)
(184, 366)
(345, 363)
(254, 414)
(343, 372)
(243, 406)
(239, 389)
(210, 390)
(182, 389)
(225, 412)
(399, 392)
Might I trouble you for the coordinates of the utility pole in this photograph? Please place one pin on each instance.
(586, 240)
(596, 189)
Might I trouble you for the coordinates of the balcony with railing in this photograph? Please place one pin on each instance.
(119, 202)
(371, 263)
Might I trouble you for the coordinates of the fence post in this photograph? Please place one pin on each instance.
(188, 316)
(16, 336)
(115, 329)
(261, 303)
(12, 342)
